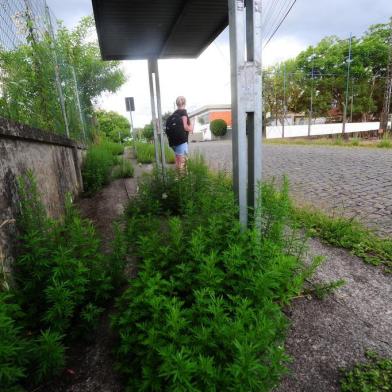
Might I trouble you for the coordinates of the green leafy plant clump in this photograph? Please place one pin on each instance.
(218, 127)
(385, 143)
(347, 233)
(145, 153)
(61, 284)
(373, 376)
(124, 169)
(205, 311)
(98, 164)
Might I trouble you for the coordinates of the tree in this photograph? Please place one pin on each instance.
(148, 132)
(115, 126)
(28, 81)
(321, 72)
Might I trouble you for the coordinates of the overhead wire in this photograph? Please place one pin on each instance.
(280, 23)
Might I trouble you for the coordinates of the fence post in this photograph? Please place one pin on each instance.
(78, 103)
(56, 69)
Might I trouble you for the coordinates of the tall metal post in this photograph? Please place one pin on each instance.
(388, 90)
(56, 70)
(78, 103)
(284, 98)
(153, 111)
(245, 44)
(133, 131)
(347, 85)
(159, 110)
(311, 98)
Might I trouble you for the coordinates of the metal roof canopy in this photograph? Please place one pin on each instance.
(161, 29)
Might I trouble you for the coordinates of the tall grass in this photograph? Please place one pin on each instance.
(145, 153)
(98, 164)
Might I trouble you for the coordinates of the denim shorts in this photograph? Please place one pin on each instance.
(181, 149)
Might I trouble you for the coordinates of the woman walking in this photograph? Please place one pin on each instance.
(178, 127)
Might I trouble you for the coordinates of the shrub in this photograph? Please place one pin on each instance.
(62, 280)
(124, 169)
(205, 311)
(148, 132)
(113, 148)
(96, 168)
(13, 346)
(145, 152)
(218, 127)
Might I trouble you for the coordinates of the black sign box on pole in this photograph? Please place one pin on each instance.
(130, 104)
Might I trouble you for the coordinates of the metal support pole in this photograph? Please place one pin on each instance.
(311, 98)
(347, 86)
(132, 131)
(245, 37)
(284, 98)
(153, 111)
(56, 70)
(78, 103)
(159, 110)
(384, 118)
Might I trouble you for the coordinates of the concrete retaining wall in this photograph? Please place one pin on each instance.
(56, 164)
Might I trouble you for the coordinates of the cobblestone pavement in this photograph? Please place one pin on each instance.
(355, 182)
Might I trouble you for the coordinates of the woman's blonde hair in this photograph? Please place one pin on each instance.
(180, 101)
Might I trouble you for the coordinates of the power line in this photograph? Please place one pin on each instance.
(275, 16)
(281, 22)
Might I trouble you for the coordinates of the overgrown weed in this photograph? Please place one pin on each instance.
(62, 282)
(346, 233)
(373, 376)
(205, 311)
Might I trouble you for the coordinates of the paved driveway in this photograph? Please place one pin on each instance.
(350, 181)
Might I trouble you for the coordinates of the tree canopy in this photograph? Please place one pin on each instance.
(320, 72)
(113, 125)
(29, 89)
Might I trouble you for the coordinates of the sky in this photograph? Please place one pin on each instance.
(206, 80)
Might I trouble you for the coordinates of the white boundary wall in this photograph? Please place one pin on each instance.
(275, 132)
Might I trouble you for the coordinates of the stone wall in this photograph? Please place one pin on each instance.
(56, 164)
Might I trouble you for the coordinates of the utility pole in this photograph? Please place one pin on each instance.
(347, 85)
(284, 98)
(388, 90)
(352, 100)
(311, 97)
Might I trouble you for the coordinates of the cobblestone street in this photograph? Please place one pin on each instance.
(350, 181)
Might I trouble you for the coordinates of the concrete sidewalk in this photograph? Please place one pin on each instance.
(334, 333)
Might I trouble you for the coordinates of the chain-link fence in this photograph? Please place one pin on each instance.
(38, 82)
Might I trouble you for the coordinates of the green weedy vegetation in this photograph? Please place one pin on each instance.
(61, 284)
(373, 376)
(124, 169)
(145, 153)
(205, 311)
(346, 233)
(384, 143)
(98, 164)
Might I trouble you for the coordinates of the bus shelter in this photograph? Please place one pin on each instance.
(155, 29)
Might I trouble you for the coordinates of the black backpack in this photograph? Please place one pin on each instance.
(175, 131)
